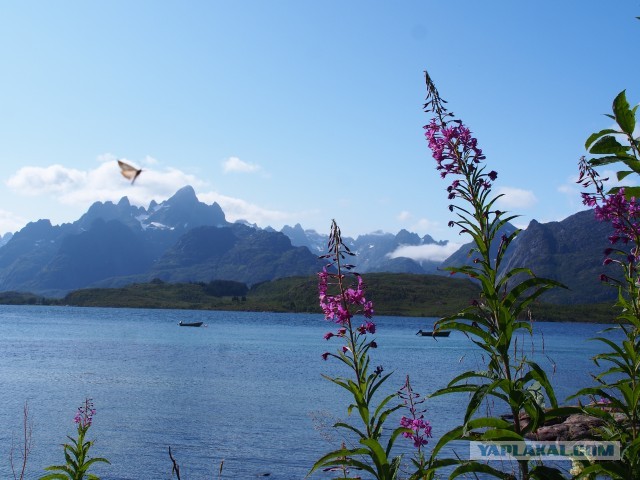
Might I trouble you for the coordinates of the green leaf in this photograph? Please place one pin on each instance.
(608, 146)
(624, 114)
(501, 434)
(623, 174)
(541, 472)
(611, 469)
(376, 451)
(488, 422)
(337, 458)
(607, 160)
(478, 397)
(475, 467)
(540, 375)
(451, 435)
(631, 192)
(594, 136)
(349, 427)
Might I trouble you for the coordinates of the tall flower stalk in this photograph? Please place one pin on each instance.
(419, 429)
(76, 452)
(342, 299)
(512, 381)
(619, 384)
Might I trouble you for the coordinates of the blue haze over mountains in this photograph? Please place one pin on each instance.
(185, 240)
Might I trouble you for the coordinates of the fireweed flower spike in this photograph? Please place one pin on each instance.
(85, 414)
(492, 320)
(417, 428)
(619, 363)
(76, 452)
(342, 297)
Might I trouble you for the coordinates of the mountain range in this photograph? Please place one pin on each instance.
(184, 240)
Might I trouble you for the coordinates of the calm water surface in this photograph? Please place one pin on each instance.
(247, 389)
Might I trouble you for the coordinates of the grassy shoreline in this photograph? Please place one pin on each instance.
(393, 295)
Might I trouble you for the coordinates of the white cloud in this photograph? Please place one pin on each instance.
(404, 216)
(422, 226)
(238, 209)
(436, 253)
(52, 179)
(515, 198)
(234, 164)
(10, 222)
(79, 188)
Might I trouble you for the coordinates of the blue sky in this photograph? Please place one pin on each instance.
(290, 112)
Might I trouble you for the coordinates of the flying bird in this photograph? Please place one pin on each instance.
(129, 172)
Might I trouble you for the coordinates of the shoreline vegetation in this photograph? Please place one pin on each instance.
(407, 295)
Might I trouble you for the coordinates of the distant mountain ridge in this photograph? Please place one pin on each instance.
(184, 240)
(180, 239)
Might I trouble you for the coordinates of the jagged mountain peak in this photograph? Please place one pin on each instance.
(404, 237)
(124, 202)
(164, 244)
(122, 211)
(185, 195)
(184, 211)
(39, 228)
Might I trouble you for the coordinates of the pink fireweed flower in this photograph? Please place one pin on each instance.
(624, 215)
(325, 355)
(341, 301)
(368, 327)
(451, 144)
(85, 414)
(421, 430)
(367, 309)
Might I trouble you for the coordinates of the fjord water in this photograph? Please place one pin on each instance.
(247, 389)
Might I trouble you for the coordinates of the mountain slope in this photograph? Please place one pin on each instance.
(571, 252)
(184, 240)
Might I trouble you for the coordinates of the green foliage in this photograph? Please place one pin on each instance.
(76, 452)
(225, 288)
(342, 302)
(609, 150)
(511, 380)
(395, 294)
(616, 394)
(21, 298)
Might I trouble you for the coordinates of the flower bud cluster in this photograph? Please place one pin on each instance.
(624, 215)
(452, 144)
(420, 428)
(336, 307)
(85, 414)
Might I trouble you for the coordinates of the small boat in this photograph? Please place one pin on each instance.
(441, 333)
(189, 324)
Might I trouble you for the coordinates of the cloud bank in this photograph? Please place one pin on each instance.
(420, 253)
(71, 187)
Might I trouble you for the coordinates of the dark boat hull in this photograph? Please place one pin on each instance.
(191, 324)
(434, 334)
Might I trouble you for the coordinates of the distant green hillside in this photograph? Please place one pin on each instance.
(393, 294)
